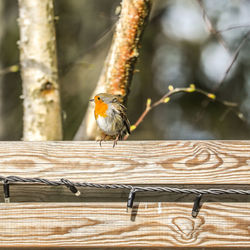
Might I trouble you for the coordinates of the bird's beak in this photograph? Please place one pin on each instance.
(91, 100)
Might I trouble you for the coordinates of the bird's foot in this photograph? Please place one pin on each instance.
(101, 139)
(115, 141)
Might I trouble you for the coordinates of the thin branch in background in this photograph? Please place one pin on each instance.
(220, 83)
(11, 69)
(237, 113)
(234, 58)
(166, 99)
(211, 28)
(225, 113)
(220, 39)
(242, 26)
(235, 55)
(78, 60)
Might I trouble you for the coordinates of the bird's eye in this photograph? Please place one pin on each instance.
(98, 98)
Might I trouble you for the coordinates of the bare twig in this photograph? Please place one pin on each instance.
(220, 39)
(211, 28)
(234, 58)
(78, 60)
(242, 26)
(11, 69)
(220, 83)
(166, 98)
(218, 36)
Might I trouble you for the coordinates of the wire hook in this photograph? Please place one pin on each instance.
(71, 187)
(196, 206)
(6, 190)
(131, 198)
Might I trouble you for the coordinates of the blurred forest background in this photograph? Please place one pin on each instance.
(177, 49)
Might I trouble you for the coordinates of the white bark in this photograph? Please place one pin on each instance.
(42, 112)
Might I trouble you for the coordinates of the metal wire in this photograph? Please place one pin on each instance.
(213, 191)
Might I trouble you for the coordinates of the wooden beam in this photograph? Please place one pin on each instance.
(108, 224)
(133, 162)
(98, 218)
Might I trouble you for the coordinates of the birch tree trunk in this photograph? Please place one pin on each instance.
(119, 66)
(42, 112)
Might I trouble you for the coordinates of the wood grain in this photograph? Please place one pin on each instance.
(108, 224)
(99, 218)
(132, 162)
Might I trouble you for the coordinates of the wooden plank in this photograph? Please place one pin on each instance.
(108, 224)
(99, 217)
(133, 162)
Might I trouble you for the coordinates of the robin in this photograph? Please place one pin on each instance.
(111, 117)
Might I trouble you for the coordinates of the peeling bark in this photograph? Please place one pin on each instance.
(42, 112)
(119, 65)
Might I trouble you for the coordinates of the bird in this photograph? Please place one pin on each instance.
(111, 116)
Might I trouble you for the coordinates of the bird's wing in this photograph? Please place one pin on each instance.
(121, 110)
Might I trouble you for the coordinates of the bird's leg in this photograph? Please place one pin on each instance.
(116, 139)
(103, 137)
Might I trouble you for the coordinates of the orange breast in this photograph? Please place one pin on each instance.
(100, 109)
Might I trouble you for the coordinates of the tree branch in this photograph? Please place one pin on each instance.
(166, 98)
(11, 69)
(220, 39)
(234, 58)
(242, 26)
(119, 66)
(211, 28)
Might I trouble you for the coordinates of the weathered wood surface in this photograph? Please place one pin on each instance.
(99, 218)
(138, 162)
(108, 224)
